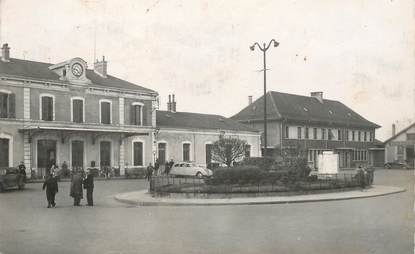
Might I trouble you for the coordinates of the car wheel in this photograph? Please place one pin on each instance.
(199, 175)
(388, 166)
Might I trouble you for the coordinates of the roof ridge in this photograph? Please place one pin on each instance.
(400, 132)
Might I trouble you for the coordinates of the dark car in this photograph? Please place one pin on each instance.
(396, 165)
(10, 178)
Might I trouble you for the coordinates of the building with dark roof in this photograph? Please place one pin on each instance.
(185, 136)
(401, 146)
(65, 112)
(312, 124)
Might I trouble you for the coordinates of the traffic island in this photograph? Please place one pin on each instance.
(143, 198)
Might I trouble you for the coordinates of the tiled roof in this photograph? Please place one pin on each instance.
(186, 120)
(302, 108)
(40, 71)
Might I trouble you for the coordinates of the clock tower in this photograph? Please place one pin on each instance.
(73, 71)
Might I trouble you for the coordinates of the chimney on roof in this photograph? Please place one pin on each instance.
(5, 53)
(249, 99)
(317, 95)
(393, 129)
(100, 67)
(173, 104)
(169, 104)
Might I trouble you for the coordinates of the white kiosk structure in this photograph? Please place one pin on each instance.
(328, 163)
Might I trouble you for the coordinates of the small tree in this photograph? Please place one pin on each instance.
(228, 150)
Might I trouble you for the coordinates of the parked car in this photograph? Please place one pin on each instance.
(189, 169)
(10, 178)
(396, 165)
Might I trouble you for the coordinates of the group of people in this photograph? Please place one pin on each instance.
(365, 176)
(156, 169)
(78, 184)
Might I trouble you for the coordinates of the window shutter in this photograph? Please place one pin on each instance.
(44, 109)
(144, 112)
(50, 108)
(132, 114)
(12, 106)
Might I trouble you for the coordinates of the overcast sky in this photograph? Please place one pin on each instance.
(361, 53)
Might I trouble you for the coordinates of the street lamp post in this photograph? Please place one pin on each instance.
(264, 49)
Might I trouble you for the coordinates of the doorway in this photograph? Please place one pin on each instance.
(162, 153)
(4, 152)
(105, 153)
(46, 154)
(410, 156)
(77, 155)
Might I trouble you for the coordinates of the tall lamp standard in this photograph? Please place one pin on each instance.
(264, 49)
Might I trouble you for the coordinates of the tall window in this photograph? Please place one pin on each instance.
(78, 110)
(365, 136)
(137, 114)
(353, 136)
(339, 134)
(186, 152)
(306, 133)
(359, 136)
(346, 135)
(287, 132)
(46, 108)
(299, 132)
(138, 154)
(314, 133)
(330, 134)
(105, 112)
(7, 105)
(323, 134)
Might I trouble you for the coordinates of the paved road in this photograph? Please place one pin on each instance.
(374, 225)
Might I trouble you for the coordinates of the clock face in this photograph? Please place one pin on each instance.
(77, 69)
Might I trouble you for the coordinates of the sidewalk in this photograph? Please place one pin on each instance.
(143, 198)
(95, 179)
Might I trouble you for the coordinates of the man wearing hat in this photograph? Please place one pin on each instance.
(51, 185)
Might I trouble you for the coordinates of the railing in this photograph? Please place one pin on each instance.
(169, 184)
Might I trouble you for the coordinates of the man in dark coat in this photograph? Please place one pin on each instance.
(22, 170)
(89, 186)
(76, 189)
(149, 172)
(51, 185)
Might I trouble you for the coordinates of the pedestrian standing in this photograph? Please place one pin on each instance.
(89, 186)
(22, 171)
(76, 189)
(149, 172)
(156, 167)
(51, 185)
(166, 168)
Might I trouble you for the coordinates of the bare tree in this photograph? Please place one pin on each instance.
(228, 150)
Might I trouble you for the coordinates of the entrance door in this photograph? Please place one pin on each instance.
(77, 155)
(46, 155)
(4, 152)
(162, 153)
(105, 153)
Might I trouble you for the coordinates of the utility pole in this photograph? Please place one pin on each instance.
(264, 49)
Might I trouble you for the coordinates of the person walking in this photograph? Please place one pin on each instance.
(149, 172)
(76, 188)
(51, 186)
(89, 186)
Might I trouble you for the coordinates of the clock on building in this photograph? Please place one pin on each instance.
(77, 69)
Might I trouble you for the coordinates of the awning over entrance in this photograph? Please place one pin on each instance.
(95, 131)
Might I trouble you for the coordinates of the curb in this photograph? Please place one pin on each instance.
(142, 198)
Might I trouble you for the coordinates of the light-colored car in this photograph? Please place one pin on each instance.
(189, 169)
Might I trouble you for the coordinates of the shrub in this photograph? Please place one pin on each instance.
(258, 162)
(244, 176)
